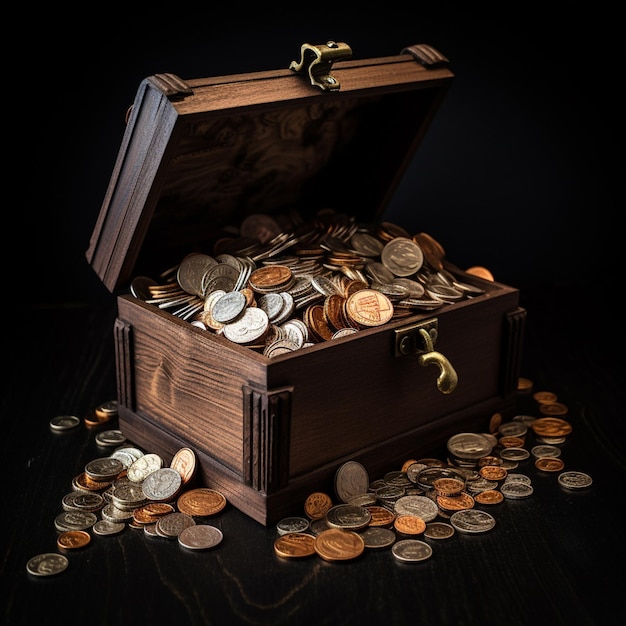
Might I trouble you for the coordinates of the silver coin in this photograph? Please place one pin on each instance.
(421, 506)
(516, 490)
(515, 428)
(438, 530)
(64, 422)
(81, 501)
(172, 524)
(229, 307)
(348, 517)
(200, 537)
(402, 257)
(293, 524)
(162, 485)
(367, 245)
(514, 454)
(191, 272)
(472, 521)
(411, 550)
(351, 480)
(47, 564)
(469, 446)
(544, 450)
(104, 468)
(575, 480)
(113, 437)
(143, 467)
(75, 520)
(252, 325)
(376, 537)
(522, 478)
(140, 287)
(105, 528)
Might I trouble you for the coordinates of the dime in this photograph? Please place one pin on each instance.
(111, 438)
(411, 550)
(200, 537)
(336, 544)
(377, 537)
(293, 524)
(472, 521)
(64, 422)
(47, 564)
(438, 530)
(575, 480)
(295, 545)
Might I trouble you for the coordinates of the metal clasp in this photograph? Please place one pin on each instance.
(419, 339)
(318, 60)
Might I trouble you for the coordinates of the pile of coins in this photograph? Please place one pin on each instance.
(315, 282)
(406, 511)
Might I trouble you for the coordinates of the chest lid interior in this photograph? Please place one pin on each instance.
(199, 156)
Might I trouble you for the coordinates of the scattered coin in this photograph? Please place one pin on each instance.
(295, 545)
(472, 521)
(64, 422)
(575, 480)
(47, 564)
(110, 438)
(293, 524)
(336, 544)
(73, 539)
(438, 530)
(411, 550)
(200, 537)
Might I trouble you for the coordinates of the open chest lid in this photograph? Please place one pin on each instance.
(199, 156)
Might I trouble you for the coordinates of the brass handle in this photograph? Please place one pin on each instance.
(448, 378)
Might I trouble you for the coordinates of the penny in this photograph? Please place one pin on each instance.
(317, 505)
(455, 503)
(545, 396)
(73, 539)
(409, 525)
(380, 516)
(184, 462)
(270, 278)
(295, 545)
(551, 427)
(369, 308)
(201, 502)
(493, 472)
(489, 496)
(553, 408)
(548, 464)
(481, 272)
(524, 384)
(448, 486)
(336, 544)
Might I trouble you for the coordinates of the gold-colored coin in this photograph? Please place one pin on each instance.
(494, 422)
(481, 272)
(336, 544)
(489, 496)
(455, 503)
(369, 308)
(448, 486)
(549, 464)
(493, 472)
(295, 545)
(551, 427)
(524, 384)
(545, 396)
(201, 502)
(409, 524)
(184, 462)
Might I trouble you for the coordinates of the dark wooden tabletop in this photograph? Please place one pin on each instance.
(518, 173)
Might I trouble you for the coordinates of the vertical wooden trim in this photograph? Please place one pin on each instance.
(267, 421)
(123, 333)
(515, 322)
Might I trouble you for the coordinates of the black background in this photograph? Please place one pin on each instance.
(520, 170)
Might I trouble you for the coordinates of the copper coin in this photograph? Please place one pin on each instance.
(551, 427)
(270, 278)
(461, 502)
(553, 408)
(545, 396)
(73, 539)
(336, 544)
(489, 496)
(184, 462)
(369, 308)
(448, 486)
(549, 464)
(524, 384)
(409, 524)
(295, 545)
(317, 505)
(381, 516)
(493, 472)
(481, 272)
(201, 502)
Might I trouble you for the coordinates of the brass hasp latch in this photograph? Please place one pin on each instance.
(318, 60)
(420, 339)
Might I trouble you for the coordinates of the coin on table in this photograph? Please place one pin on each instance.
(470, 446)
(575, 480)
(545, 396)
(75, 520)
(73, 539)
(516, 489)
(173, 524)
(348, 517)
(162, 484)
(351, 480)
(376, 537)
(110, 438)
(549, 464)
(105, 528)
(47, 564)
(489, 496)
(472, 521)
(64, 422)
(411, 550)
(317, 504)
(295, 545)
(185, 463)
(336, 544)
(201, 502)
(409, 524)
(553, 408)
(438, 530)
(200, 537)
(104, 468)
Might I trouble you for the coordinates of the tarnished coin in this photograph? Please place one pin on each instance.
(336, 544)
(376, 537)
(402, 256)
(575, 480)
(411, 550)
(438, 530)
(295, 545)
(549, 464)
(73, 539)
(545, 396)
(261, 227)
(472, 521)
(173, 524)
(191, 272)
(348, 517)
(317, 504)
(366, 245)
(200, 537)
(64, 422)
(553, 408)
(351, 480)
(47, 564)
(201, 502)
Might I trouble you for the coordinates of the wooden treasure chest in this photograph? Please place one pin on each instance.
(267, 317)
